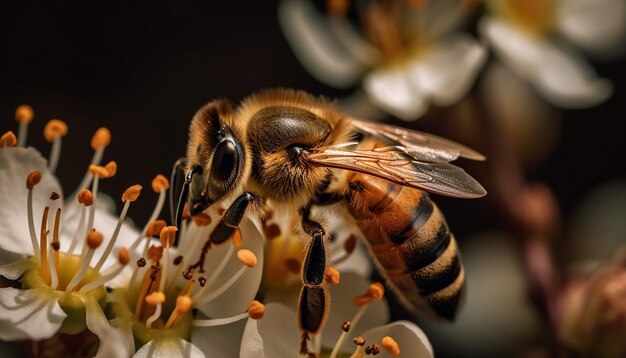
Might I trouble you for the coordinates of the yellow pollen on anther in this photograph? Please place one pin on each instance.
(123, 257)
(24, 114)
(201, 219)
(101, 139)
(53, 129)
(390, 345)
(94, 239)
(85, 197)
(111, 167)
(8, 139)
(155, 253)
(247, 257)
(155, 298)
(256, 310)
(332, 276)
(183, 304)
(33, 179)
(155, 227)
(98, 171)
(168, 235)
(376, 290)
(160, 183)
(132, 193)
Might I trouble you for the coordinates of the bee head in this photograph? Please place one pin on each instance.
(215, 146)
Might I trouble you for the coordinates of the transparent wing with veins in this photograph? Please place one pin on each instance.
(419, 160)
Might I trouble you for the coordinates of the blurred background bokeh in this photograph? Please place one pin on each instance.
(143, 68)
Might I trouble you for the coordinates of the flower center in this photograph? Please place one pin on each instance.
(535, 16)
(71, 302)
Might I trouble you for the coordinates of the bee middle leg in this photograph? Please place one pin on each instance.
(314, 267)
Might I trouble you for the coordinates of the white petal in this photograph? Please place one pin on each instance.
(219, 341)
(411, 339)
(169, 348)
(14, 270)
(112, 341)
(391, 89)
(252, 342)
(310, 37)
(342, 309)
(597, 26)
(15, 166)
(236, 299)
(449, 70)
(278, 330)
(561, 77)
(28, 314)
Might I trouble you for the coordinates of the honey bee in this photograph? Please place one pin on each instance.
(295, 151)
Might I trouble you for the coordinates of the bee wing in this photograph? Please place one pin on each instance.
(393, 164)
(421, 146)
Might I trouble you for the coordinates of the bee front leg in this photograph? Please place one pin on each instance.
(232, 217)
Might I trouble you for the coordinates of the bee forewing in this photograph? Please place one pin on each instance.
(420, 145)
(393, 164)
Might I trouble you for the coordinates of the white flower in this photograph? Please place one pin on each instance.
(191, 300)
(60, 291)
(277, 334)
(410, 56)
(528, 37)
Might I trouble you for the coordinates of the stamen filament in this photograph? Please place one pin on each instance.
(206, 299)
(155, 316)
(55, 154)
(342, 337)
(55, 240)
(218, 321)
(107, 276)
(22, 134)
(116, 233)
(31, 226)
(79, 229)
(45, 273)
(92, 212)
(54, 279)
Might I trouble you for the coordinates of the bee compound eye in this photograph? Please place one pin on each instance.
(225, 162)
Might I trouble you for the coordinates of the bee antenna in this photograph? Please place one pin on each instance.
(183, 197)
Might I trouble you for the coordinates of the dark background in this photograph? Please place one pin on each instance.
(143, 68)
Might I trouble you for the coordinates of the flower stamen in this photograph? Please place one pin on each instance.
(359, 342)
(99, 142)
(54, 130)
(123, 258)
(248, 259)
(45, 273)
(24, 114)
(33, 179)
(94, 240)
(8, 140)
(85, 197)
(390, 346)
(183, 305)
(131, 194)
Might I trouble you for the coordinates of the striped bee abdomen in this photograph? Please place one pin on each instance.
(411, 242)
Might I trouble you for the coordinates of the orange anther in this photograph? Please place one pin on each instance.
(391, 346)
(236, 238)
(33, 179)
(155, 227)
(332, 276)
(98, 171)
(155, 253)
(160, 183)
(53, 129)
(94, 239)
(155, 298)
(168, 235)
(111, 167)
(376, 290)
(24, 114)
(247, 257)
(101, 138)
(123, 257)
(256, 310)
(132, 193)
(8, 139)
(183, 304)
(85, 197)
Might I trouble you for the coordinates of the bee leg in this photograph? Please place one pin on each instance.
(314, 265)
(176, 178)
(183, 197)
(232, 217)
